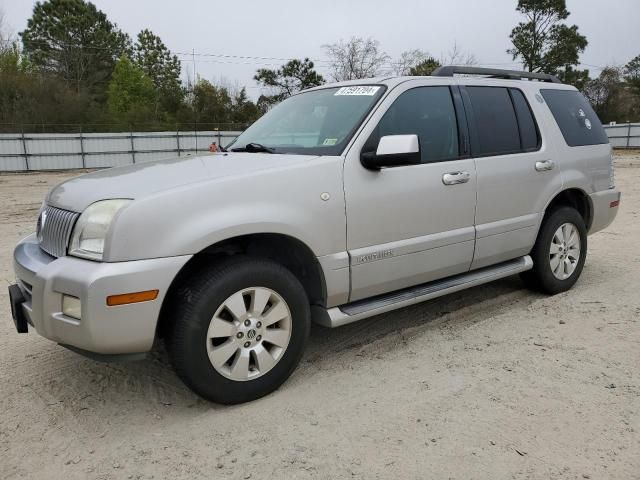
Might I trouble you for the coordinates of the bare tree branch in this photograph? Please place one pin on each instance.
(457, 56)
(6, 36)
(408, 60)
(356, 58)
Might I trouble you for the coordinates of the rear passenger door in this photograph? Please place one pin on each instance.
(516, 172)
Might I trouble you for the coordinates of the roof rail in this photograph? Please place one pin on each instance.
(449, 71)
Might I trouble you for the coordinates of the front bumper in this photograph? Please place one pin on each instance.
(605, 208)
(105, 330)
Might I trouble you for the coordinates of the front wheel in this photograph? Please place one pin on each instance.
(238, 330)
(559, 252)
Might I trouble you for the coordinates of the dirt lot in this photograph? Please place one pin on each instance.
(492, 383)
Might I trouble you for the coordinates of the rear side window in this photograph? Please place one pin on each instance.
(529, 135)
(495, 121)
(575, 117)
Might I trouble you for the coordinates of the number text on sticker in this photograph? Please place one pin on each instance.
(358, 90)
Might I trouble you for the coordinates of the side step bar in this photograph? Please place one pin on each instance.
(352, 312)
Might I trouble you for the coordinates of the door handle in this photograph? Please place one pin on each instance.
(455, 178)
(544, 165)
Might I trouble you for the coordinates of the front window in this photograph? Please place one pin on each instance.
(320, 122)
(427, 112)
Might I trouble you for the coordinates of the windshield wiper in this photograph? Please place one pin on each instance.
(254, 148)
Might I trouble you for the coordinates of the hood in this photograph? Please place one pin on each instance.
(142, 179)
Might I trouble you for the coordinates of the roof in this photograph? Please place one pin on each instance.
(475, 75)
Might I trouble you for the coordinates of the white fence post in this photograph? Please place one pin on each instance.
(84, 163)
(178, 139)
(133, 147)
(24, 149)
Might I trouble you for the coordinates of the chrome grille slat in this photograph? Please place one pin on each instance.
(55, 227)
(55, 233)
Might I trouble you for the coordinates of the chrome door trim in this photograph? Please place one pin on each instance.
(456, 178)
(544, 165)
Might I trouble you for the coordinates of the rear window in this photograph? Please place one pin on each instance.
(495, 121)
(578, 122)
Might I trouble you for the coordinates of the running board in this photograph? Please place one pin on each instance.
(352, 312)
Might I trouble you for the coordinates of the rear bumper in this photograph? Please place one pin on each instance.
(122, 329)
(605, 208)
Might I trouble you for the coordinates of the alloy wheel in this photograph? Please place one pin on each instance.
(564, 253)
(249, 333)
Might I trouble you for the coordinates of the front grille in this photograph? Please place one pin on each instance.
(54, 229)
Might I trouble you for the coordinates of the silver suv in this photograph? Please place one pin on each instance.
(343, 202)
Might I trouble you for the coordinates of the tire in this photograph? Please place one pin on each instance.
(551, 274)
(223, 290)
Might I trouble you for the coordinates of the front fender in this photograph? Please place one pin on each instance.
(186, 220)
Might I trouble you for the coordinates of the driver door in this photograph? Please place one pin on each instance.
(408, 225)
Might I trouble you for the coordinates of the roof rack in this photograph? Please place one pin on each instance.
(449, 71)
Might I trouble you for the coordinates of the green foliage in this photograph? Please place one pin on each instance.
(75, 41)
(545, 44)
(542, 42)
(603, 92)
(426, 67)
(131, 94)
(575, 77)
(211, 103)
(632, 74)
(77, 67)
(613, 98)
(30, 98)
(292, 77)
(408, 60)
(244, 111)
(163, 68)
(11, 62)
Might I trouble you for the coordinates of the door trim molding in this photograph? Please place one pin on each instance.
(410, 246)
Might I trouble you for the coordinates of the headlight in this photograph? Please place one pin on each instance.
(90, 232)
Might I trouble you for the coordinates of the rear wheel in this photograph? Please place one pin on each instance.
(559, 252)
(238, 330)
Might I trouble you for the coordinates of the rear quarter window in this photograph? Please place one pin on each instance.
(578, 122)
(529, 136)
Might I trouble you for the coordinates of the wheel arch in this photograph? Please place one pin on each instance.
(286, 250)
(575, 198)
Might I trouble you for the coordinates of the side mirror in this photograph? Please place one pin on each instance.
(393, 151)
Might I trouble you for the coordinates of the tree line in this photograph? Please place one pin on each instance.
(543, 42)
(72, 65)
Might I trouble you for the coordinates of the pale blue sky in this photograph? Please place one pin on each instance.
(287, 28)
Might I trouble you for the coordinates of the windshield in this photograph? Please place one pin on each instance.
(320, 122)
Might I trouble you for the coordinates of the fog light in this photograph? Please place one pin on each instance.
(71, 306)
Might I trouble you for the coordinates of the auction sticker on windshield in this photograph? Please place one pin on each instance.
(359, 90)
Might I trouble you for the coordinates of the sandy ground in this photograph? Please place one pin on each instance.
(495, 382)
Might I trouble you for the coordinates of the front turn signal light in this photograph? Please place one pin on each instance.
(135, 297)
